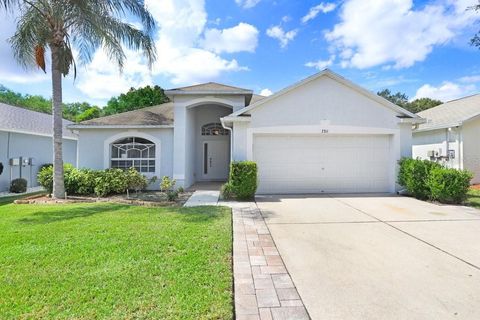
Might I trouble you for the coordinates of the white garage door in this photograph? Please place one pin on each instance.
(316, 164)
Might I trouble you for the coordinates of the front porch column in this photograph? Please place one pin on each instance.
(179, 144)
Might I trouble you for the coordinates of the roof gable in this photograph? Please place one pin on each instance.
(212, 87)
(328, 73)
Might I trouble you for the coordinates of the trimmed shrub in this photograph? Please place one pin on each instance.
(135, 180)
(449, 185)
(45, 177)
(172, 195)
(243, 179)
(18, 185)
(227, 191)
(413, 175)
(110, 181)
(99, 182)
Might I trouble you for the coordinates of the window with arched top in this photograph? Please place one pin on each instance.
(133, 152)
(214, 129)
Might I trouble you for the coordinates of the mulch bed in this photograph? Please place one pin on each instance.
(475, 187)
(146, 198)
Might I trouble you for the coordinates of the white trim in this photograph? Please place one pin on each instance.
(37, 134)
(333, 76)
(206, 101)
(200, 92)
(118, 126)
(139, 134)
(439, 127)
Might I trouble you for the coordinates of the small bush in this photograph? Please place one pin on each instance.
(172, 195)
(18, 185)
(181, 190)
(167, 184)
(45, 177)
(413, 175)
(449, 185)
(110, 181)
(243, 179)
(135, 180)
(227, 192)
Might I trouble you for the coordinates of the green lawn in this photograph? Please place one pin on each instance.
(107, 261)
(473, 199)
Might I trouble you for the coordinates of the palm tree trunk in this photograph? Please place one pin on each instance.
(58, 183)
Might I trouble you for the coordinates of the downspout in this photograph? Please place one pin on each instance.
(231, 138)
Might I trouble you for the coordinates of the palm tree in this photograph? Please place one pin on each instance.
(86, 25)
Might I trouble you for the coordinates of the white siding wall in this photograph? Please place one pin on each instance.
(240, 141)
(471, 148)
(30, 146)
(91, 149)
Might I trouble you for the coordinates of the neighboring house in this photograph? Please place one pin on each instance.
(323, 134)
(451, 135)
(28, 134)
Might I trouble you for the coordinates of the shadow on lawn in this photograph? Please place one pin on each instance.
(62, 213)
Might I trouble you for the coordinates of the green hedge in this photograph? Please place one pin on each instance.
(242, 182)
(98, 182)
(449, 185)
(425, 179)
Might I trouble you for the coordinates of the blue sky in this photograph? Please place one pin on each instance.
(417, 47)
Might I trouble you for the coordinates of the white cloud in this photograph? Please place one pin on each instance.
(101, 78)
(321, 64)
(243, 37)
(283, 37)
(470, 79)
(314, 11)
(446, 91)
(266, 92)
(394, 32)
(247, 4)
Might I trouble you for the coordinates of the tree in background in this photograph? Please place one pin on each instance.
(38, 103)
(415, 106)
(58, 25)
(419, 105)
(90, 113)
(475, 41)
(136, 99)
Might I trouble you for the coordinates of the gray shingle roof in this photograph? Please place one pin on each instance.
(452, 113)
(149, 116)
(27, 121)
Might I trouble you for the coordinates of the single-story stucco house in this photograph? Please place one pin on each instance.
(451, 135)
(28, 134)
(322, 134)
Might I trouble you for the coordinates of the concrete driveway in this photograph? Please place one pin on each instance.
(378, 257)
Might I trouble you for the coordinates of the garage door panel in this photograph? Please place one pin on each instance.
(315, 164)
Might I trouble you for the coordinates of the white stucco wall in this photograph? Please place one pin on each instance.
(436, 140)
(325, 107)
(91, 147)
(30, 146)
(186, 160)
(471, 148)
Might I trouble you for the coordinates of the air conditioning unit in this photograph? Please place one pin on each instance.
(431, 154)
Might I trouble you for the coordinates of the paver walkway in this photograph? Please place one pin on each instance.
(263, 287)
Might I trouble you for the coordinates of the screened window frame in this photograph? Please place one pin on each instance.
(125, 150)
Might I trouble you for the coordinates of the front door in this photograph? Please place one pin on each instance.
(215, 160)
